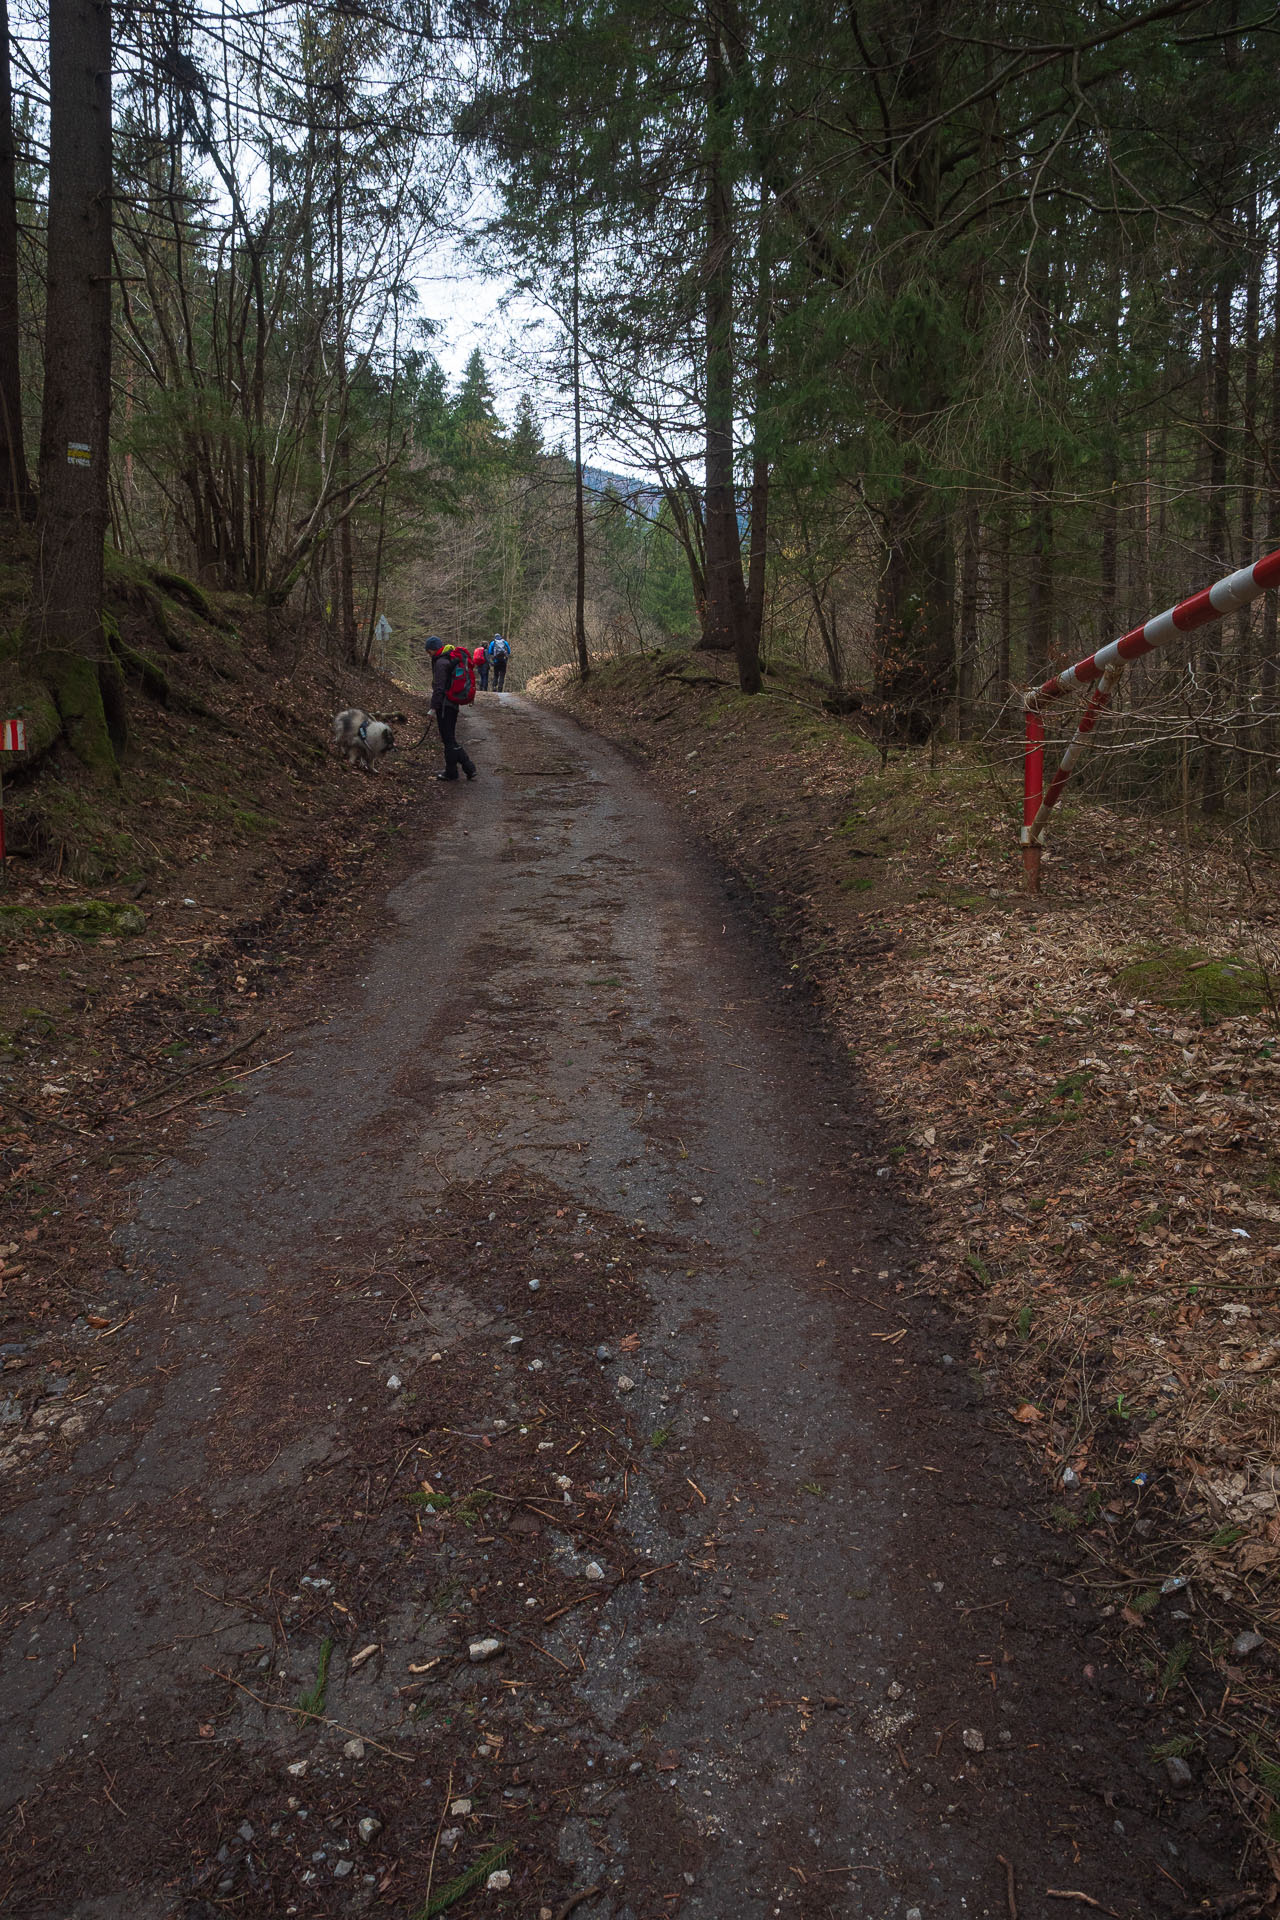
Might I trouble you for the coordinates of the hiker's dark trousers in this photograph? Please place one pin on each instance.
(454, 755)
(499, 675)
(482, 676)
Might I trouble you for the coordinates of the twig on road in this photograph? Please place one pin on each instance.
(1086, 1899)
(200, 1066)
(595, 1593)
(1009, 1894)
(435, 1844)
(576, 1899)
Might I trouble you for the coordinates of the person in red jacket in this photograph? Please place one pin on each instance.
(445, 663)
(480, 660)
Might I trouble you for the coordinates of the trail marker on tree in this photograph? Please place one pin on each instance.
(1101, 671)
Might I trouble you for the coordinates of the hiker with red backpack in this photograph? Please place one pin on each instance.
(453, 686)
(480, 661)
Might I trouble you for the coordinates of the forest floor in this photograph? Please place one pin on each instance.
(1078, 1097)
(448, 1221)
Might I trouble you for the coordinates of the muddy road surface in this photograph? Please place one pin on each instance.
(531, 1465)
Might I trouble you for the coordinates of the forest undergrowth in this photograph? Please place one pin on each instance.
(1078, 1102)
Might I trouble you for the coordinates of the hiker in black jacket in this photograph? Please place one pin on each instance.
(452, 674)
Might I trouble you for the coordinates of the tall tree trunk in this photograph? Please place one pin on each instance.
(915, 616)
(348, 644)
(1006, 578)
(579, 505)
(1212, 795)
(725, 626)
(1040, 581)
(1269, 619)
(915, 611)
(65, 632)
(1248, 480)
(967, 638)
(1043, 344)
(15, 483)
(759, 547)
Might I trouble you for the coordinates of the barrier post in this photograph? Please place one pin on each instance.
(1099, 672)
(13, 739)
(1032, 798)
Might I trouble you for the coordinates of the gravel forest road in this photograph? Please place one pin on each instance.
(551, 1291)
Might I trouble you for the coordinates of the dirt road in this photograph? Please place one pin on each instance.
(555, 1292)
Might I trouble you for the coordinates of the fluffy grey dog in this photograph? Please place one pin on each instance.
(363, 740)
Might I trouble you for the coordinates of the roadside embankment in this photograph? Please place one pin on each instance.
(149, 929)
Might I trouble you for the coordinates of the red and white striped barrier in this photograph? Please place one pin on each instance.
(1101, 671)
(13, 739)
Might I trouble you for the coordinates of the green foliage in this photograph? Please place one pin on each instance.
(1174, 1668)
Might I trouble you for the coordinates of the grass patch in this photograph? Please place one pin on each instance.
(312, 1702)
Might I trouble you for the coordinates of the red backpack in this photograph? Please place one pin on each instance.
(462, 676)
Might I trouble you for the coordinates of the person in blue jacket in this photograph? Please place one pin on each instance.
(499, 652)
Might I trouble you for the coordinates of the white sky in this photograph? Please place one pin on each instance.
(465, 305)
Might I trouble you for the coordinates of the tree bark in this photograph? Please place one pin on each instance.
(16, 497)
(1006, 578)
(915, 616)
(65, 633)
(579, 506)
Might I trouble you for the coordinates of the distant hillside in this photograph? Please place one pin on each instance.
(640, 495)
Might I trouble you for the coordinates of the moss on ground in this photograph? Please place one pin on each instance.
(1190, 981)
(85, 919)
